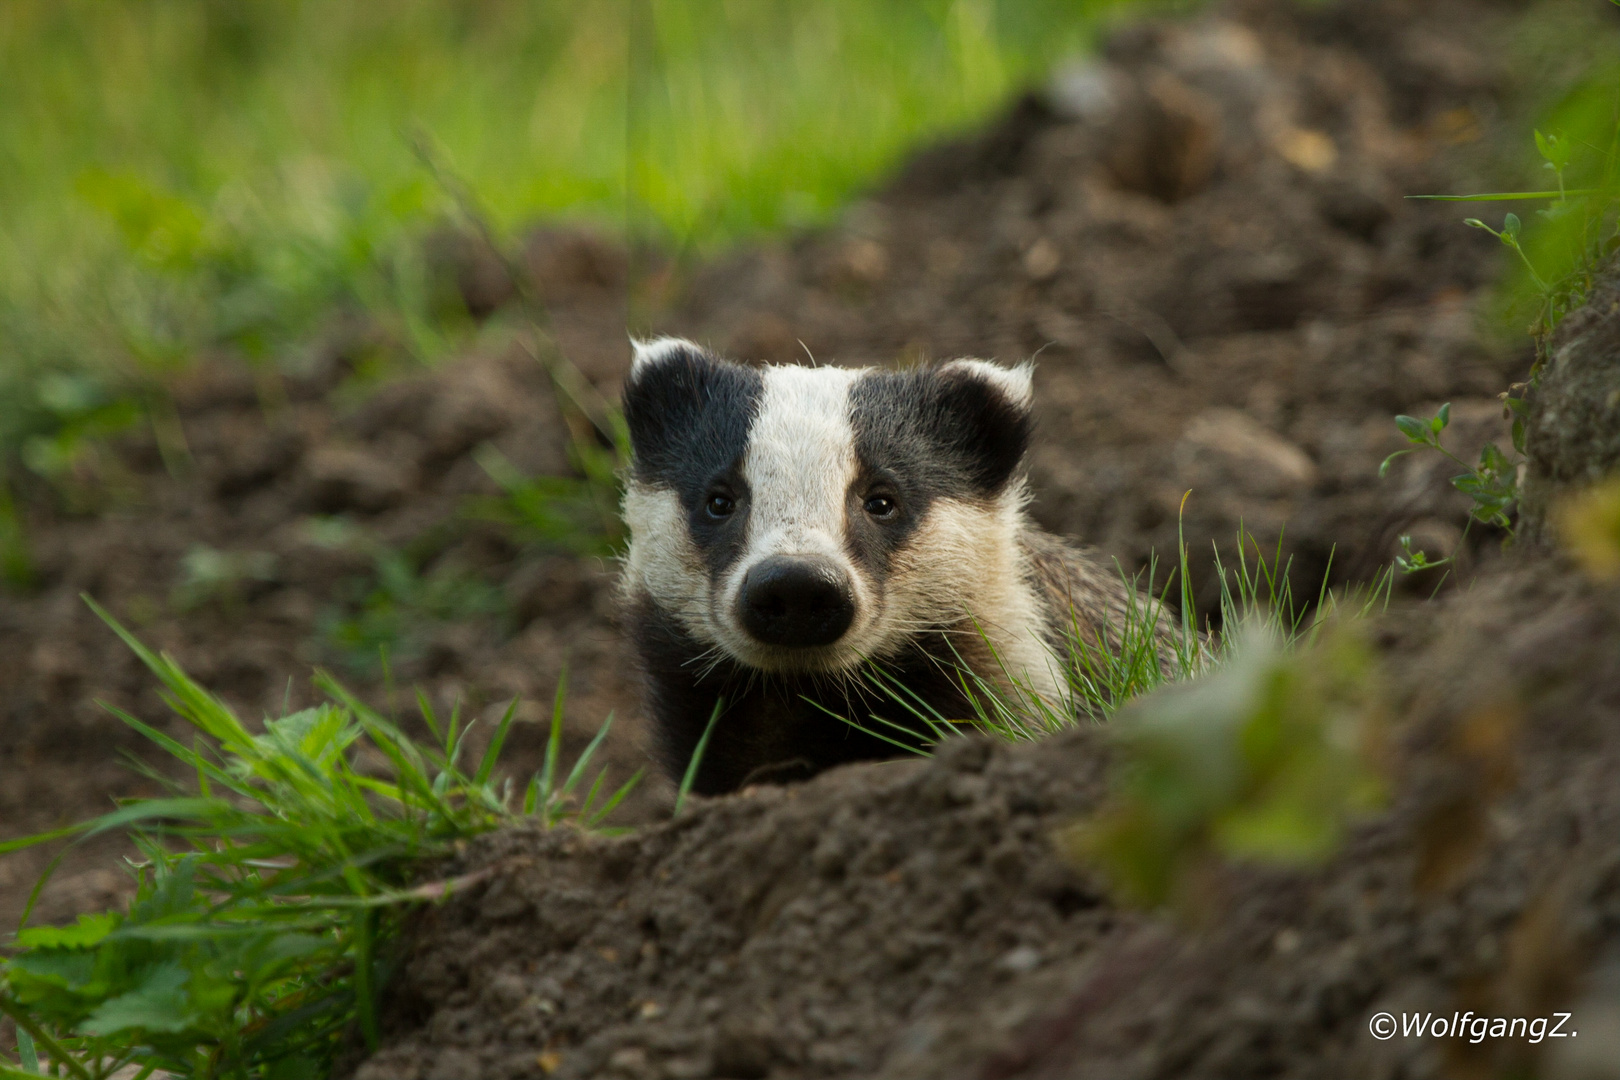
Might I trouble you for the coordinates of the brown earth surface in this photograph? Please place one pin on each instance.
(916, 919)
(1203, 237)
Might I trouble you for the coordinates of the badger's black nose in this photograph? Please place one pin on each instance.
(796, 600)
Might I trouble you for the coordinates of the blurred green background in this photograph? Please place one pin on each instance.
(184, 175)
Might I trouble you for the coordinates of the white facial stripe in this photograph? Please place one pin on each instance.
(800, 463)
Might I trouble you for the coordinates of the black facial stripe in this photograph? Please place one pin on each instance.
(924, 435)
(689, 415)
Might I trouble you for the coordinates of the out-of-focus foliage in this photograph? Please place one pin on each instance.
(180, 175)
(1559, 184)
(1590, 526)
(1555, 251)
(1268, 758)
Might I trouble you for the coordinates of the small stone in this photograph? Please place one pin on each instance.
(631, 1060)
(1225, 447)
(1042, 260)
(455, 1065)
(351, 478)
(1020, 960)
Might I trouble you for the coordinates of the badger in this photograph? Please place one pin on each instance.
(795, 528)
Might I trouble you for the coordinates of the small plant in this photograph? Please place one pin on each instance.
(208, 574)
(1574, 235)
(1267, 759)
(1579, 228)
(269, 894)
(1492, 484)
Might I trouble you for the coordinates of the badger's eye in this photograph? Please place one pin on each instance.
(721, 505)
(880, 506)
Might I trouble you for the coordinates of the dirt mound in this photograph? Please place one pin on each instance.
(792, 927)
(915, 920)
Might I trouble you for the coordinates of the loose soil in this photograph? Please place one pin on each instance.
(919, 919)
(1203, 237)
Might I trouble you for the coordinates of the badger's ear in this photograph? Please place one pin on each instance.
(650, 353)
(1015, 383)
(680, 401)
(986, 409)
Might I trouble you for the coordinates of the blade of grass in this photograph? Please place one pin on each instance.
(493, 752)
(548, 768)
(585, 758)
(1510, 196)
(618, 797)
(697, 755)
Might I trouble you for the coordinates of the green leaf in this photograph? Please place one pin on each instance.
(1441, 419)
(1555, 149)
(584, 759)
(493, 752)
(296, 1067)
(1511, 226)
(27, 1056)
(1414, 429)
(159, 1004)
(89, 930)
(34, 973)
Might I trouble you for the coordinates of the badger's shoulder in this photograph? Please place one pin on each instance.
(1080, 592)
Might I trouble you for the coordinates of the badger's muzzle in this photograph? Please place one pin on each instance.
(796, 601)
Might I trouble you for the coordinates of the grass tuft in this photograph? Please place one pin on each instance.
(1147, 649)
(269, 892)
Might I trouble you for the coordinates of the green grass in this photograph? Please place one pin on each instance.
(269, 891)
(1153, 646)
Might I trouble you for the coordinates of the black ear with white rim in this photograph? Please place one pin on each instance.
(984, 415)
(686, 409)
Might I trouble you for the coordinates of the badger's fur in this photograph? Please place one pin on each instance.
(790, 523)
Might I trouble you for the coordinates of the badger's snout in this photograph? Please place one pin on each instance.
(796, 600)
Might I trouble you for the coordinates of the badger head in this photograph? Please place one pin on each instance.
(799, 519)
